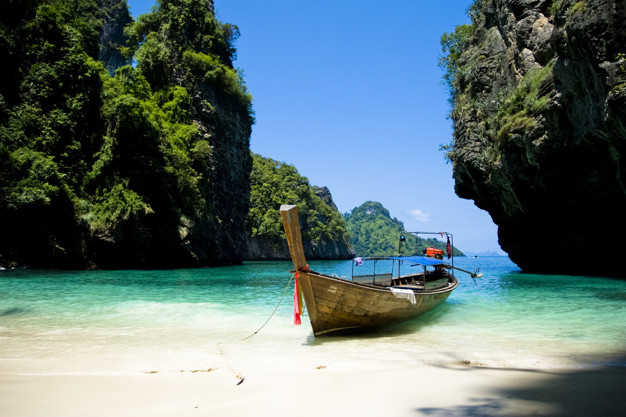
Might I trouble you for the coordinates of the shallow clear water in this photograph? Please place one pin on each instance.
(60, 322)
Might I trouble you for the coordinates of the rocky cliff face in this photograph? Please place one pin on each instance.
(262, 250)
(227, 125)
(540, 130)
(197, 209)
(324, 194)
(149, 168)
(115, 16)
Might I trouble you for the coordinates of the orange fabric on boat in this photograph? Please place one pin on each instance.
(432, 251)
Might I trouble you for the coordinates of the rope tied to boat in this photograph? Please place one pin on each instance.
(275, 308)
(222, 352)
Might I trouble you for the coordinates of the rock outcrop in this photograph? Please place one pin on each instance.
(540, 130)
(260, 249)
(324, 194)
(115, 16)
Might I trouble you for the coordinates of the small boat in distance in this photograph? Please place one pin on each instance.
(340, 305)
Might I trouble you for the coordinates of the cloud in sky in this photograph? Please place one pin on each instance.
(419, 215)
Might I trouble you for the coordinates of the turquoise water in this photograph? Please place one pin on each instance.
(60, 322)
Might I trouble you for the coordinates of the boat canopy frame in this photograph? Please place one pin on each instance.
(424, 261)
(449, 236)
(391, 272)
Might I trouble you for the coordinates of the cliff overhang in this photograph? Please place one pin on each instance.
(539, 113)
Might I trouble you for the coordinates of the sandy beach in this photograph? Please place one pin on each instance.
(172, 344)
(412, 391)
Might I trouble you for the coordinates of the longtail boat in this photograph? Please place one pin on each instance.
(366, 301)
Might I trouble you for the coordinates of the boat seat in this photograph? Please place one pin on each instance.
(403, 281)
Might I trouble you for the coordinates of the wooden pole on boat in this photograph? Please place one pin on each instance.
(472, 274)
(289, 213)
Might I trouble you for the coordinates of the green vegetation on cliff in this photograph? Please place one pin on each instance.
(129, 170)
(452, 47)
(275, 183)
(373, 232)
(538, 95)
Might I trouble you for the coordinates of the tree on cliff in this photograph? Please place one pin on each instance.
(187, 115)
(275, 183)
(147, 168)
(452, 48)
(50, 126)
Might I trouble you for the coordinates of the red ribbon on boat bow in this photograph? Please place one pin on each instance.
(297, 301)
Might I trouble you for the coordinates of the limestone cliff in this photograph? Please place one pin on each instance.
(115, 16)
(336, 246)
(148, 168)
(539, 118)
(260, 249)
(275, 183)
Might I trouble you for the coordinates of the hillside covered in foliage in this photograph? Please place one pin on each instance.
(148, 167)
(275, 183)
(373, 232)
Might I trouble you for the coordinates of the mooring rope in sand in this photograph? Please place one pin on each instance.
(273, 312)
(233, 370)
(238, 375)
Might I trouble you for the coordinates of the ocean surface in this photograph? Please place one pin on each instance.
(120, 322)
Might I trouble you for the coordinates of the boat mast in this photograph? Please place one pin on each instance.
(289, 214)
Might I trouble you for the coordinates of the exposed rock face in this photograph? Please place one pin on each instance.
(540, 130)
(115, 18)
(324, 194)
(227, 126)
(263, 250)
(328, 250)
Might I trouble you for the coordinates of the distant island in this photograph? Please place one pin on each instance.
(373, 232)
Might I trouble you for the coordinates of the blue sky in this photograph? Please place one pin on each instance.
(349, 92)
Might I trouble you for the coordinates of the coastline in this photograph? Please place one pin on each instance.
(137, 343)
(416, 390)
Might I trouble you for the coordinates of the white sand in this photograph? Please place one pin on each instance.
(388, 392)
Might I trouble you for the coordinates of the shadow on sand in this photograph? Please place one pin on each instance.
(563, 393)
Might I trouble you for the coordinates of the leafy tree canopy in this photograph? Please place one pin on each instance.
(373, 232)
(134, 161)
(452, 47)
(275, 183)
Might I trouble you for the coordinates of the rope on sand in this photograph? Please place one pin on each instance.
(238, 375)
(233, 370)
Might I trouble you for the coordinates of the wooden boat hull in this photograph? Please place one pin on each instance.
(336, 305)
